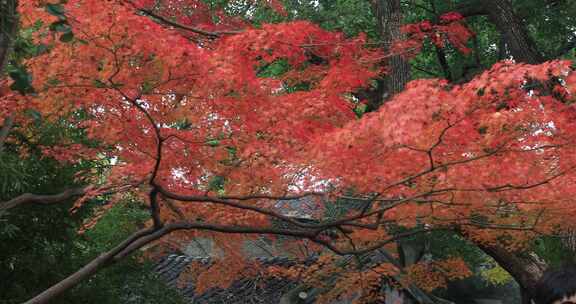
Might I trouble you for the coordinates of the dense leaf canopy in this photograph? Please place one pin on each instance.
(210, 116)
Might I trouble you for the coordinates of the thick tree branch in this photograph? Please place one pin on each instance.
(145, 236)
(178, 226)
(88, 270)
(513, 263)
(47, 199)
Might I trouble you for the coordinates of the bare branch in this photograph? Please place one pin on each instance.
(155, 208)
(195, 30)
(48, 199)
(231, 229)
(86, 271)
(229, 201)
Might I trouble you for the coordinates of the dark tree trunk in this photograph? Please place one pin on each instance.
(8, 27)
(569, 242)
(525, 297)
(511, 27)
(515, 41)
(388, 15)
(526, 269)
(519, 267)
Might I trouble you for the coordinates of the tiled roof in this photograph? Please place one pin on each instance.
(259, 290)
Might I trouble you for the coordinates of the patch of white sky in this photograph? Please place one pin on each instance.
(179, 174)
(305, 179)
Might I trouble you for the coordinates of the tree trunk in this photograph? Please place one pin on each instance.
(525, 297)
(8, 27)
(526, 269)
(569, 242)
(388, 15)
(519, 43)
(512, 29)
(522, 269)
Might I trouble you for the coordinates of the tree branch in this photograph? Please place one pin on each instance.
(48, 199)
(145, 236)
(195, 30)
(86, 271)
(8, 29)
(229, 201)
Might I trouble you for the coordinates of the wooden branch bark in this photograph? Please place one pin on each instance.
(44, 199)
(142, 238)
(88, 270)
(191, 29)
(524, 268)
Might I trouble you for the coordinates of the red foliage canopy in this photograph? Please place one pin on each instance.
(179, 109)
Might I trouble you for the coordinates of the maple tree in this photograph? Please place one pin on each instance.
(179, 97)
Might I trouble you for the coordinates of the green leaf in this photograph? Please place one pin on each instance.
(99, 83)
(183, 125)
(360, 109)
(41, 49)
(213, 142)
(274, 69)
(232, 151)
(22, 80)
(37, 25)
(147, 87)
(52, 82)
(217, 183)
(37, 116)
(61, 26)
(67, 37)
(56, 10)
